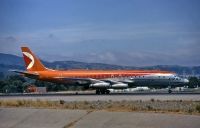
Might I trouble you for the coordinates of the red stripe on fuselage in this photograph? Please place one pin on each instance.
(98, 74)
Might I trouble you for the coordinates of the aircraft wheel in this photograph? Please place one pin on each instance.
(107, 91)
(98, 91)
(169, 91)
(103, 91)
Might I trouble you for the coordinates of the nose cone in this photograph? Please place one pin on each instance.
(186, 81)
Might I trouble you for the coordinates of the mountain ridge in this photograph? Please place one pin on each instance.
(8, 61)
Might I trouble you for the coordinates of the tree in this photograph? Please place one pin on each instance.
(193, 82)
(12, 84)
(1, 75)
(3, 83)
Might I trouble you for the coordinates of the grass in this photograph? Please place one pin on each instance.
(185, 107)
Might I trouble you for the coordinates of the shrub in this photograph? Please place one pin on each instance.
(190, 110)
(152, 100)
(149, 107)
(62, 101)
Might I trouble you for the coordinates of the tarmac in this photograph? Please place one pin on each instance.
(53, 118)
(113, 97)
(64, 118)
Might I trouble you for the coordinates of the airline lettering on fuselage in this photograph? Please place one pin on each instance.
(30, 65)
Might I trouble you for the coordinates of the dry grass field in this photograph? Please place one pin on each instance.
(176, 106)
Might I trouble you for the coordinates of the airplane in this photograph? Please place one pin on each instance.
(99, 80)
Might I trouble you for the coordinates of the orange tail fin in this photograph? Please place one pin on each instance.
(31, 61)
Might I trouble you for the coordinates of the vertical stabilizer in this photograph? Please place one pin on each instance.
(31, 61)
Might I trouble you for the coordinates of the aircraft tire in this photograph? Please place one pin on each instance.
(103, 91)
(97, 91)
(107, 91)
(169, 91)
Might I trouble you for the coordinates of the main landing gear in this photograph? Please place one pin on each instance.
(102, 91)
(169, 89)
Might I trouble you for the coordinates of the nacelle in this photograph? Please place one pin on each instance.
(119, 86)
(127, 81)
(100, 85)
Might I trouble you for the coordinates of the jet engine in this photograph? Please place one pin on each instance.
(100, 85)
(119, 86)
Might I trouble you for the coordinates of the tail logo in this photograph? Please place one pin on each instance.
(31, 60)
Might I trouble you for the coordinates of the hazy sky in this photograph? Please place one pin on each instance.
(123, 32)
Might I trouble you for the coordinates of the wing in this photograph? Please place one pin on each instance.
(94, 83)
(115, 81)
(116, 84)
(80, 80)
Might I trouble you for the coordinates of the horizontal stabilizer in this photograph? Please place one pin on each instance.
(27, 74)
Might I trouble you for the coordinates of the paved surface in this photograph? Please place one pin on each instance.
(51, 118)
(194, 97)
(37, 118)
(103, 119)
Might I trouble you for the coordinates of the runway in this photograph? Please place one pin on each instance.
(53, 118)
(113, 97)
(77, 118)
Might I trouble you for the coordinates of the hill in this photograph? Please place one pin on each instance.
(8, 62)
